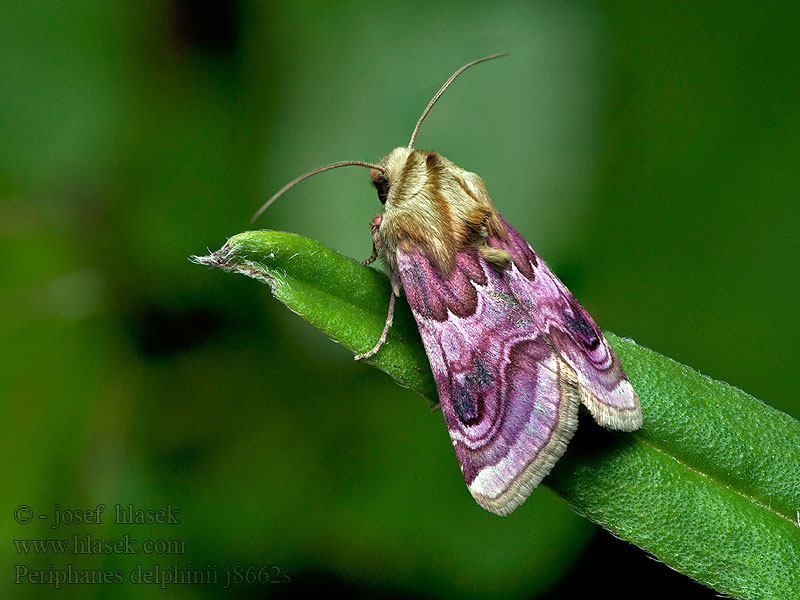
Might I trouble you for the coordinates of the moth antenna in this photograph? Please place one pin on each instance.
(443, 88)
(296, 180)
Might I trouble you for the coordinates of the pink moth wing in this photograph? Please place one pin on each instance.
(513, 355)
(605, 389)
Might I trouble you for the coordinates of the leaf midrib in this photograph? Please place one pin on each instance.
(751, 499)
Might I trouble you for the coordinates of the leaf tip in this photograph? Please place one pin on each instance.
(209, 260)
(220, 258)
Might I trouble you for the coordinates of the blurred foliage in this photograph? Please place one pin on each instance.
(647, 150)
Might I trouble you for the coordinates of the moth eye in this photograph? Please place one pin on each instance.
(382, 186)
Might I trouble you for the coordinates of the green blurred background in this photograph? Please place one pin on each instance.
(648, 151)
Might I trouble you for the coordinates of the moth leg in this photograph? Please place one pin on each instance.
(375, 227)
(386, 327)
(372, 257)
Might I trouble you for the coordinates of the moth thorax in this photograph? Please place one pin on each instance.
(437, 206)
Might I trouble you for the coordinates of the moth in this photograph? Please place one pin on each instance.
(512, 352)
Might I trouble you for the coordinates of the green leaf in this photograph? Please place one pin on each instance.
(710, 485)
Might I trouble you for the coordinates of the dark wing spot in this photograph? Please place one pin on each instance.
(468, 394)
(466, 402)
(581, 330)
(484, 375)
